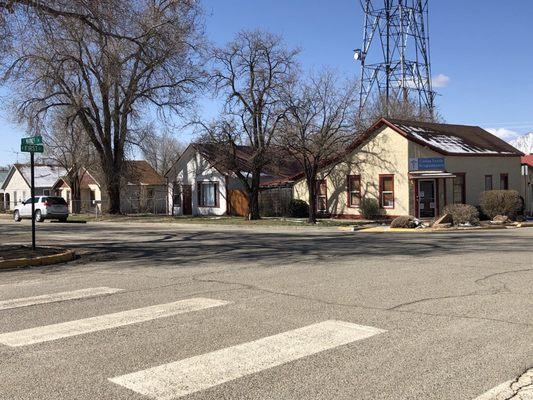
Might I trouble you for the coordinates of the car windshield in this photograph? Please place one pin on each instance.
(55, 200)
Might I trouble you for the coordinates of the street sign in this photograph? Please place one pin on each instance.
(32, 145)
(32, 148)
(32, 140)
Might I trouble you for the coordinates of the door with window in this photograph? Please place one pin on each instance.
(187, 199)
(426, 199)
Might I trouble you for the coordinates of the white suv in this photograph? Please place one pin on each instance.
(46, 207)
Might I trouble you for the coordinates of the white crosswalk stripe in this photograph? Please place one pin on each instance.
(55, 297)
(78, 327)
(201, 372)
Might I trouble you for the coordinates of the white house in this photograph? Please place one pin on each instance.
(17, 187)
(199, 184)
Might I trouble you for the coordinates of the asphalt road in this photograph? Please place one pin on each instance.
(451, 315)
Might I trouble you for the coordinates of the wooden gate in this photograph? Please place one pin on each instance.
(238, 203)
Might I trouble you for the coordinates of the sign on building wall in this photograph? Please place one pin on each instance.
(427, 164)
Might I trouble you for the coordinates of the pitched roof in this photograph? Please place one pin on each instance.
(44, 175)
(3, 175)
(528, 160)
(86, 180)
(279, 168)
(140, 172)
(448, 139)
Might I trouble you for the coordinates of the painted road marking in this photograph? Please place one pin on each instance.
(181, 378)
(519, 389)
(55, 297)
(78, 327)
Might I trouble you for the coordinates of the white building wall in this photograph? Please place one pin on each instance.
(18, 189)
(191, 169)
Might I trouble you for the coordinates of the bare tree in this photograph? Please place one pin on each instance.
(405, 109)
(161, 150)
(68, 145)
(111, 81)
(250, 73)
(319, 125)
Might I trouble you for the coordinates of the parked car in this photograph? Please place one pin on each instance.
(46, 207)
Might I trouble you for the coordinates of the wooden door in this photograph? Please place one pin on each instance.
(187, 199)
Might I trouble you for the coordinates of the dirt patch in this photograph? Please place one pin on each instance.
(11, 252)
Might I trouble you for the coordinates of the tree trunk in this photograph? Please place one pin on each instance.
(113, 192)
(311, 188)
(253, 197)
(76, 194)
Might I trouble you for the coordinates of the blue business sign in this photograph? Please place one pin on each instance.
(427, 164)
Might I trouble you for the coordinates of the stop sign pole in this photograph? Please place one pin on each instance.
(32, 145)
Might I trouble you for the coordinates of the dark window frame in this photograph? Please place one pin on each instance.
(491, 183)
(350, 190)
(201, 203)
(463, 188)
(382, 178)
(318, 195)
(504, 181)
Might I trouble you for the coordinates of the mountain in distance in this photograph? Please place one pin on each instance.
(524, 143)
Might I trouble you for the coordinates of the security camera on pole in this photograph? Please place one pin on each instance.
(32, 145)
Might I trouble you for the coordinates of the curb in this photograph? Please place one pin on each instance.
(67, 255)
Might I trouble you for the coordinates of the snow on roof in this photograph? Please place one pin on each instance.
(45, 175)
(448, 142)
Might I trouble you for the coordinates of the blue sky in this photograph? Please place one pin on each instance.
(484, 47)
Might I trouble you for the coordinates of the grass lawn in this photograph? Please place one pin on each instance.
(267, 221)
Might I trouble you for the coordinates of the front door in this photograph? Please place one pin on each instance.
(187, 199)
(426, 199)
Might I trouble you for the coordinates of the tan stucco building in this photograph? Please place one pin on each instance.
(415, 168)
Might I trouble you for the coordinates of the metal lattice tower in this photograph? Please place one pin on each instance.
(395, 57)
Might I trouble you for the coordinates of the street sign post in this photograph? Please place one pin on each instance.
(32, 145)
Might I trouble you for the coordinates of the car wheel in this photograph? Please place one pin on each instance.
(38, 216)
(16, 216)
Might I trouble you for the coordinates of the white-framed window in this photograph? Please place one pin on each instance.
(176, 195)
(208, 194)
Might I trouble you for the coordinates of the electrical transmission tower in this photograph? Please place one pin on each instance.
(395, 57)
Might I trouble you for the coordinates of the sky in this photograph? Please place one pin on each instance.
(481, 55)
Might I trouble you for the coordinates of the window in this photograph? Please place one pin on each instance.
(46, 192)
(488, 182)
(207, 194)
(354, 190)
(15, 200)
(504, 181)
(176, 195)
(322, 196)
(386, 191)
(459, 188)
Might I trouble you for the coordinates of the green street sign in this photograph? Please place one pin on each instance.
(32, 148)
(32, 140)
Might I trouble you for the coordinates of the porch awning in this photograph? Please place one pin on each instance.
(430, 175)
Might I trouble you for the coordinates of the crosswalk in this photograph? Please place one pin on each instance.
(183, 377)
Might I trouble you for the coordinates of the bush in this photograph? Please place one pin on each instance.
(501, 202)
(369, 208)
(462, 214)
(404, 221)
(298, 209)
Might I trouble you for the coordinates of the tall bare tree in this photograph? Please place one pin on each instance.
(68, 145)
(161, 150)
(250, 74)
(319, 125)
(143, 55)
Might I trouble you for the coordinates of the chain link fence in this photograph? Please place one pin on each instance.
(157, 205)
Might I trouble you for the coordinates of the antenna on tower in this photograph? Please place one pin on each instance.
(395, 57)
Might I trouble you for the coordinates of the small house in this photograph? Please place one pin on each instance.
(17, 184)
(414, 168)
